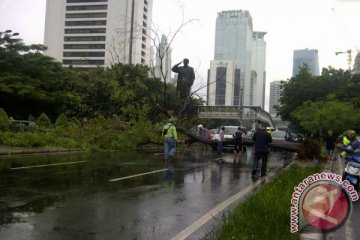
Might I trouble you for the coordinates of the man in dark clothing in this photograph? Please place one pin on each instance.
(185, 78)
(261, 146)
(238, 141)
(330, 141)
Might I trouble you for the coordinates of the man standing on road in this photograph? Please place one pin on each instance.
(238, 141)
(261, 146)
(330, 141)
(170, 137)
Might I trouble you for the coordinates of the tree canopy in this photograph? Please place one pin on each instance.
(32, 83)
(316, 103)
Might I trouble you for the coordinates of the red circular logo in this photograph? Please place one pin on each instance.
(326, 206)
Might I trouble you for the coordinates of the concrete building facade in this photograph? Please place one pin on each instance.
(258, 84)
(306, 56)
(90, 33)
(275, 94)
(223, 83)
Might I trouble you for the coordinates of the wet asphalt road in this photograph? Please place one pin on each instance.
(118, 195)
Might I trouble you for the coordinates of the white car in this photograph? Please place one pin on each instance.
(228, 132)
(278, 135)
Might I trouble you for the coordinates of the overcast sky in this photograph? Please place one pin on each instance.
(326, 25)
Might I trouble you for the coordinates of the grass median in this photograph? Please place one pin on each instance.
(266, 214)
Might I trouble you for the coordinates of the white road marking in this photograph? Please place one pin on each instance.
(158, 154)
(213, 212)
(128, 163)
(47, 165)
(137, 175)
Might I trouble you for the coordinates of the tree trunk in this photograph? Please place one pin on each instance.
(305, 150)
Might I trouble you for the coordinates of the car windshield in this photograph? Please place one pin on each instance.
(230, 131)
(278, 134)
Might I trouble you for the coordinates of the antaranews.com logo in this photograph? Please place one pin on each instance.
(322, 200)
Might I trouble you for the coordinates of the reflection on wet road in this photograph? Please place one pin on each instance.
(117, 195)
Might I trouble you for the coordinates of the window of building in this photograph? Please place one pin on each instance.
(237, 87)
(145, 16)
(145, 9)
(85, 39)
(146, 2)
(83, 62)
(142, 53)
(84, 1)
(220, 86)
(142, 60)
(84, 30)
(83, 54)
(86, 15)
(86, 23)
(84, 46)
(86, 8)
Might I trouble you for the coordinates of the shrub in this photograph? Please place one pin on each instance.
(24, 139)
(61, 121)
(43, 121)
(4, 119)
(66, 142)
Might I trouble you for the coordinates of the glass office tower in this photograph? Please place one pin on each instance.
(308, 57)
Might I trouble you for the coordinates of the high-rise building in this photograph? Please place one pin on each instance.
(90, 33)
(308, 57)
(356, 68)
(275, 94)
(223, 83)
(258, 84)
(163, 60)
(236, 41)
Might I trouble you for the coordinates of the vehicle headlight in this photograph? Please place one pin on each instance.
(352, 170)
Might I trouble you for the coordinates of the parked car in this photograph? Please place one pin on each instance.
(290, 137)
(294, 137)
(278, 135)
(228, 135)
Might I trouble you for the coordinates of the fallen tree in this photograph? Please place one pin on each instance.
(308, 149)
